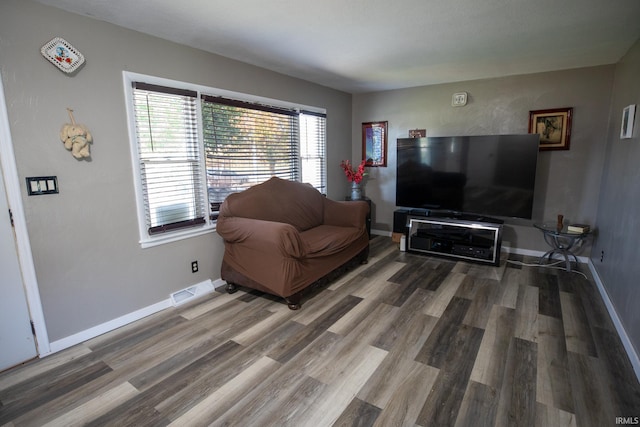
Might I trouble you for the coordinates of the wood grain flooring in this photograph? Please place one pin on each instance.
(402, 341)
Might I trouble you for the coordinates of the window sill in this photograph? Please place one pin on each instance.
(175, 236)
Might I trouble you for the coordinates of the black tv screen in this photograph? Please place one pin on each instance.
(491, 175)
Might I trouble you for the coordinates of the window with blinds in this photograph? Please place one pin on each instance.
(166, 121)
(312, 149)
(190, 150)
(246, 144)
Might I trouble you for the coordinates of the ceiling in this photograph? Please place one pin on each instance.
(370, 45)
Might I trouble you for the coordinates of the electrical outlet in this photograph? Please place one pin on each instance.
(194, 266)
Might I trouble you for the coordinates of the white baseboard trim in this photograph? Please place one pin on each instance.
(113, 324)
(218, 283)
(534, 253)
(518, 251)
(622, 333)
(109, 326)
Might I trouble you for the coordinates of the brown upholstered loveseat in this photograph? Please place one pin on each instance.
(282, 236)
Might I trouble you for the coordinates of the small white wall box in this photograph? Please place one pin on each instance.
(459, 99)
(628, 116)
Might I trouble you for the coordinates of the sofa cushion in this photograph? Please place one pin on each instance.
(278, 200)
(325, 240)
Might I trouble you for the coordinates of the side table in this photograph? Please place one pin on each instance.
(561, 241)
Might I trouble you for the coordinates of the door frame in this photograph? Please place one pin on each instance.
(23, 245)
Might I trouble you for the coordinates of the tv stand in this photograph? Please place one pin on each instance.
(462, 236)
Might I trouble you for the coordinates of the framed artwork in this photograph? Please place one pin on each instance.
(374, 143)
(417, 133)
(553, 126)
(628, 116)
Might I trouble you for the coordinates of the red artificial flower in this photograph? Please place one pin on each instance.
(352, 174)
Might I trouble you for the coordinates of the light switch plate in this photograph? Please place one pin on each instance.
(37, 185)
(459, 99)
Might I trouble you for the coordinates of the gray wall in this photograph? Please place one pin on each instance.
(567, 182)
(89, 265)
(618, 219)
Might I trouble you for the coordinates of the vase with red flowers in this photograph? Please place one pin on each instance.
(355, 177)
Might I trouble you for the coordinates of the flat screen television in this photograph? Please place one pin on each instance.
(492, 175)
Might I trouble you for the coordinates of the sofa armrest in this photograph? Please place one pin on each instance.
(345, 214)
(266, 236)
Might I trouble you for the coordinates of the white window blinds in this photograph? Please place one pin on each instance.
(166, 121)
(312, 149)
(246, 144)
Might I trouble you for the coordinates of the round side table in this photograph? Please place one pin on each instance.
(561, 241)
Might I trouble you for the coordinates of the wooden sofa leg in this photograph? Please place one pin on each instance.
(294, 301)
(231, 288)
(364, 256)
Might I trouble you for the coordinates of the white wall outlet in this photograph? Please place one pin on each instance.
(459, 99)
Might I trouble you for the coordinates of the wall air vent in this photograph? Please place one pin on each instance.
(191, 293)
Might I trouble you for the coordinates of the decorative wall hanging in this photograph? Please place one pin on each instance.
(553, 126)
(76, 137)
(61, 54)
(628, 116)
(374, 143)
(417, 133)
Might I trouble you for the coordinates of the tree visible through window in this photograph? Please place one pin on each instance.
(246, 144)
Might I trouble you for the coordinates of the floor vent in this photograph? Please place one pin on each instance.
(192, 292)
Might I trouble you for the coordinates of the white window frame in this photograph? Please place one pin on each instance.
(147, 240)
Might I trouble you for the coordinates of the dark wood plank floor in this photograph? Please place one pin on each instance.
(404, 340)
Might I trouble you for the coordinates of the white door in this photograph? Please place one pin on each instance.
(17, 343)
